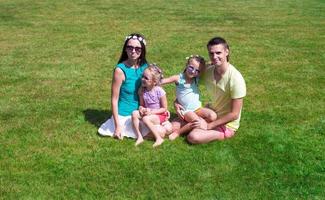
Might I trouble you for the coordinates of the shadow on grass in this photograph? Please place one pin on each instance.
(96, 117)
(172, 116)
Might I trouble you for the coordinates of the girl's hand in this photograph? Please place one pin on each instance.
(141, 110)
(200, 123)
(147, 111)
(168, 115)
(178, 107)
(117, 133)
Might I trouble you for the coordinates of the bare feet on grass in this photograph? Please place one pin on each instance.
(139, 141)
(118, 136)
(158, 142)
(173, 136)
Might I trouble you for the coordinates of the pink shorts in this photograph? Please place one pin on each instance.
(227, 132)
(162, 117)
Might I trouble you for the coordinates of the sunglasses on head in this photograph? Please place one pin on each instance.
(130, 48)
(192, 69)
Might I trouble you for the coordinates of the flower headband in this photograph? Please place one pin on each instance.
(139, 38)
(193, 56)
(157, 69)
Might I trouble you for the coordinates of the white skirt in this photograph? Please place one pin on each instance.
(108, 127)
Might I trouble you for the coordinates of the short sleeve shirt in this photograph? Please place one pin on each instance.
(230, 86)
(152, 98)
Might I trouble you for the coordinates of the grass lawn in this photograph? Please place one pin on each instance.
(56, 64)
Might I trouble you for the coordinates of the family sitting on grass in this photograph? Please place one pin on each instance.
(139, 103)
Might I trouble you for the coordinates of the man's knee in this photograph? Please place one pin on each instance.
(229, 134)
(193, 138)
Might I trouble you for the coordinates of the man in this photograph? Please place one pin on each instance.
(227, 88)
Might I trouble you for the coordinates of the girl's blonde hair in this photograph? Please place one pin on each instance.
(156, 72)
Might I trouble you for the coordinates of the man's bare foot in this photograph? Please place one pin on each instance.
(173, 136)
(158, 142)
(139, 141)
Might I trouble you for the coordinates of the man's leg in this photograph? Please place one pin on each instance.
(200, 136)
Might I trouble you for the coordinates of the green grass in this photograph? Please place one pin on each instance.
(56, 63)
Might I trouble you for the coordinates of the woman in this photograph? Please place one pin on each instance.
(124, 92)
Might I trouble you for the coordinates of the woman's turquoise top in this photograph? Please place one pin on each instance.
(129, 100)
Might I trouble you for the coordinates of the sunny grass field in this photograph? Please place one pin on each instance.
(56, 63)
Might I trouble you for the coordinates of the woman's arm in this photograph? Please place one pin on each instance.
(140, 94)
(141, 101)
(171, 79)
(118, 78)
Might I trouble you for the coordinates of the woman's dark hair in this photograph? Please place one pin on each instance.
(219, 40)
(141, 39)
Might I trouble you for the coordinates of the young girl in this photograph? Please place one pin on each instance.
(153, 106)
(187, 95)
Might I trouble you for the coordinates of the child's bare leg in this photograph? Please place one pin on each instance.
(176, 125)
(151, 121)
(182, 130)
(168, 127)
(189, 117)
(136, 123)
(207, 114)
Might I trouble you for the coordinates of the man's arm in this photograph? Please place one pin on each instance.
(236, 105)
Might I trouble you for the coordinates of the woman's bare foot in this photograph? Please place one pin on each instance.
(158, 142)
(118, 136)
(139, 141)
(173, 136)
